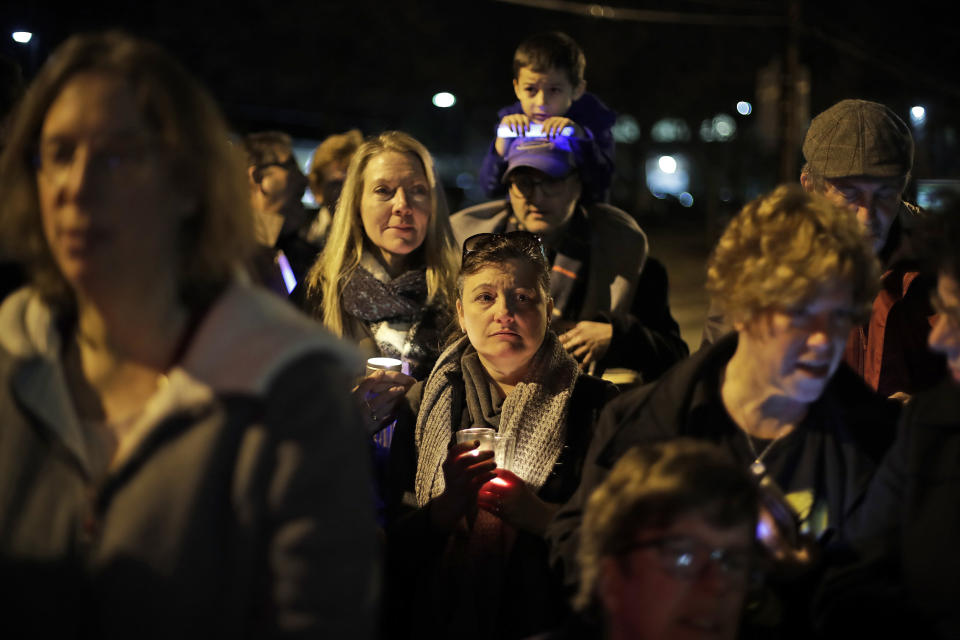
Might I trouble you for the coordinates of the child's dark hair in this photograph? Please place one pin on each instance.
(551, 49)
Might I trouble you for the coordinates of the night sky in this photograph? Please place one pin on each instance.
(314, 68)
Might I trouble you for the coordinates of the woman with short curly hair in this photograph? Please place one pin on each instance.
(794, 272)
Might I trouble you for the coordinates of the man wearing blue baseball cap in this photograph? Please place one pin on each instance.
(599, 259)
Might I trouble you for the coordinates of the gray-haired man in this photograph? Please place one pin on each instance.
(859, 154)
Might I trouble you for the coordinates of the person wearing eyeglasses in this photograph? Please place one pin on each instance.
(466, 556)
(668, 549)
(281, 220)
(180, 456)
(902, 578)
(610, 300)
(859, 155)
(796, 272)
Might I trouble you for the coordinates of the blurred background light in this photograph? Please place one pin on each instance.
(670, 130)
(685, 199)
(626, 129)
(744, 108)
(918, 114)
(444, 100)
(23, 37)
(721, 129)
(662, 182)
(667, 164)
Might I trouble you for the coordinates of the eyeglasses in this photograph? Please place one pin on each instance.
(524, 240)
(525, 184)
(687, 558)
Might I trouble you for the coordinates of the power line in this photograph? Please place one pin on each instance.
(644, 15)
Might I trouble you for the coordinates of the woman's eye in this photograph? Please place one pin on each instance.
(419, 190)
(54, 155)
(484, 297)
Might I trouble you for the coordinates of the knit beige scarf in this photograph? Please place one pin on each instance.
(534, 413)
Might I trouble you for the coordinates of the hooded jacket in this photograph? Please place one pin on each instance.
(238, 504)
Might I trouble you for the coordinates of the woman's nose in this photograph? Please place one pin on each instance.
(78, 177)
(503, 310)
(822, 330)
(400, 203)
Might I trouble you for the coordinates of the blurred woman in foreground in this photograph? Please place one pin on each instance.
(173, 444)
(668, 545)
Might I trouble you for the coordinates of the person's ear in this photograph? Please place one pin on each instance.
(579, 90)
(460, 316)
(806, 182)
(516, 88)
(255, 176)
(549, 308)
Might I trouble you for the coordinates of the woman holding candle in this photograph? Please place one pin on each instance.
(468, 534)
(173, 443)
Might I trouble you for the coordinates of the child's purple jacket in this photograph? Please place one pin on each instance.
(594, 153)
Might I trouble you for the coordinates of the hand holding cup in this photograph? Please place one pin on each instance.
(509, 498)
(379, 392)
(465, 470)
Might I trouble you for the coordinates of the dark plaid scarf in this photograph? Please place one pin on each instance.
(370, 300)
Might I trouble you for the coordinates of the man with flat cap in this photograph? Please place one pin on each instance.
(599, 261)
(859, 154)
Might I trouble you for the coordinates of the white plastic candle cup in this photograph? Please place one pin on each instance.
(503, 450)
(485, 436)
(389, 364)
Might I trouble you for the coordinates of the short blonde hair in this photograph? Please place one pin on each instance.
(341, 254)
(653, 485)
(214, 241)
(338, 148)
(782, 247)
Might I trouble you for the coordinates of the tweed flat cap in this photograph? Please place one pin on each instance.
(859, 138)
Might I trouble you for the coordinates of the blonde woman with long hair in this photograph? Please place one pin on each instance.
(386, 279)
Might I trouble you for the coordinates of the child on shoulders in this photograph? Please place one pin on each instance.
(548, 79)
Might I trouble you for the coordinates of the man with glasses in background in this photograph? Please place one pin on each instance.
(859, 155)
(276, 191)
(610, 300)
